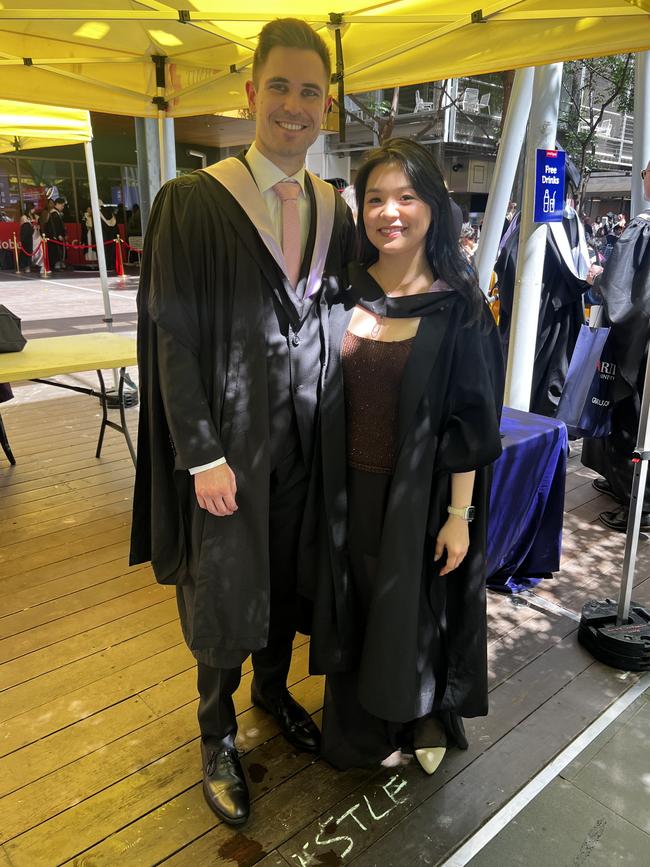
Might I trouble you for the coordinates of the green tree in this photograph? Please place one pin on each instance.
(590, 88)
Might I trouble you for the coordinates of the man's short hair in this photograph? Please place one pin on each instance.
(289, 33)
(59, 201)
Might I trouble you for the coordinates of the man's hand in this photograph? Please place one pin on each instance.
(454, 536)
(215, 490)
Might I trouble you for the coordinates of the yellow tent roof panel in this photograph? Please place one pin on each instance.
(100, 56)
(25, 125)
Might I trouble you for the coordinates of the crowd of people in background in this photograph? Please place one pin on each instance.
(49, 220)
(603, 232)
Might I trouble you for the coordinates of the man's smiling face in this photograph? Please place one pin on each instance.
(289, 102)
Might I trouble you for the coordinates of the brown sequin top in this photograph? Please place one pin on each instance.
(372, 377)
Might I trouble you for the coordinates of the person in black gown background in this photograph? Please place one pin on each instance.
(394, 547)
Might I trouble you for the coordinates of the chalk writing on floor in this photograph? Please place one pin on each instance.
(338, 835)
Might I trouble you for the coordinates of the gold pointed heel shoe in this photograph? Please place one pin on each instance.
(429, 743)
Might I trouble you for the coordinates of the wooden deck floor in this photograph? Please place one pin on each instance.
(99, 757)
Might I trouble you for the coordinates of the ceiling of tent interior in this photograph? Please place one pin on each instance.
(103, 55)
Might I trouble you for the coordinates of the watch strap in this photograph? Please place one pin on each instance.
(466, 512)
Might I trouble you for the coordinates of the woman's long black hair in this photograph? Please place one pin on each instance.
(442, 245)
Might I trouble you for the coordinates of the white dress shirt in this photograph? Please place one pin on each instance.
(266, 174)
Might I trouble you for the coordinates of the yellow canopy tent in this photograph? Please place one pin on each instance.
(25, 125)
(189, 57)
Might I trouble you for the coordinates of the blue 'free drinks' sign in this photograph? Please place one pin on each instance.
(549, 186)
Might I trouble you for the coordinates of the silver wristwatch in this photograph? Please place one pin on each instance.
(467, 513)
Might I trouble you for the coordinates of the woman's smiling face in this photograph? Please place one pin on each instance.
(396, 219)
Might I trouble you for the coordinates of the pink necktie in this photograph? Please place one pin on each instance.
(288, 192)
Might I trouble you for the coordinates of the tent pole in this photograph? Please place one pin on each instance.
(170, 149)
(514, 132)
(161, 145)
(640, 156)
(99, 242)
(640, 457)
(532, 242)
(641, 143)
(99, 235)
(159, 101)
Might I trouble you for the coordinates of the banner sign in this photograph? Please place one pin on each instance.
(549, 186)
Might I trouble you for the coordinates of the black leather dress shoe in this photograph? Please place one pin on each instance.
(294, 721)
(617, 520)
(604, 487)
(224, 784)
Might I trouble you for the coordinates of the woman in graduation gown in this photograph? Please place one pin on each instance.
(394, 543)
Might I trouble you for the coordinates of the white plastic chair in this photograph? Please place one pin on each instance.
(470, 100)
(420, 104)
(604, 128)
(135, 241)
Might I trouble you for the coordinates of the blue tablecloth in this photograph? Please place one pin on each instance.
(527, 502)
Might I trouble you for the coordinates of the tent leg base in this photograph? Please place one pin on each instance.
(625, 646)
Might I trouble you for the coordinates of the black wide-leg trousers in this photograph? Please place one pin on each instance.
(216, 714)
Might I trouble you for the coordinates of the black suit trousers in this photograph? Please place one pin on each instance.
(288, 492)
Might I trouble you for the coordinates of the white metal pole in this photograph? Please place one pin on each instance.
(641, 141)
(161, 145)
(532, 242)
(514, 132)
(99, 242)
(99, 236)
(170, 149)
(640, 156)
(639, 478)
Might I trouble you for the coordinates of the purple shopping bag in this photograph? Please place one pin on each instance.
(586, 402)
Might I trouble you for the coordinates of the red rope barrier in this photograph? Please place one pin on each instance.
(77, 246)
(26, 252)
(129, 247)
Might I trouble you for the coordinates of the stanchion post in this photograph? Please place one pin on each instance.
(16, 254)
(46, 258)
(119, 262)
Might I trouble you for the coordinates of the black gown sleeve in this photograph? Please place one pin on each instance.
(625, 288)
(470, 437)
(177, 303)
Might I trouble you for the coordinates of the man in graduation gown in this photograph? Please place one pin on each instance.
(624, 286)
(56, 231)
(561, 312)
(240, 262)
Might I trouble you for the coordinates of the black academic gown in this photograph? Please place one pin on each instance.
(561, 314)
(449, 408)
(625, 289)
(205, 273)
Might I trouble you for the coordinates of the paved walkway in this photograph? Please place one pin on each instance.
(593, 813)
(68, 302)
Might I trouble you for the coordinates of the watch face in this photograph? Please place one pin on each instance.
(471, 513)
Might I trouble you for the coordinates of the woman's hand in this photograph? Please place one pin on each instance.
(453, 536)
